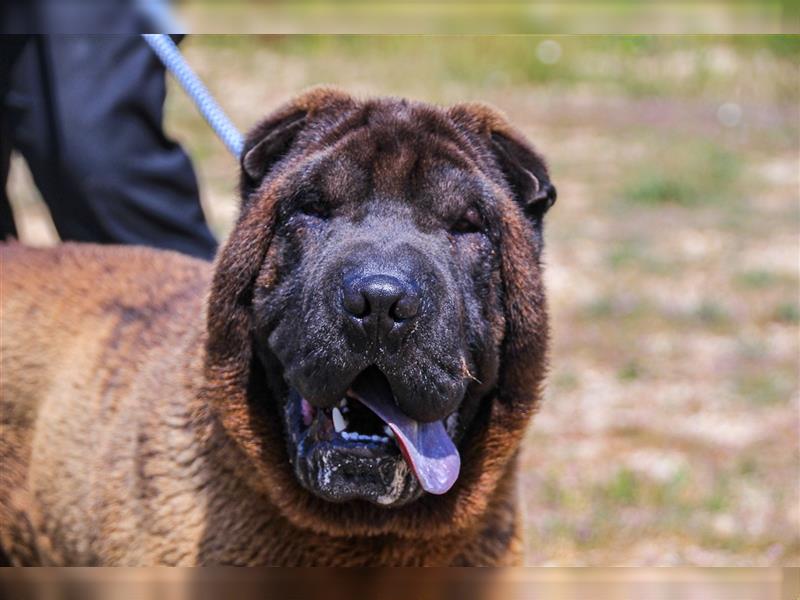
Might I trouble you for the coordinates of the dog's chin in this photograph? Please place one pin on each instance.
(347, 452)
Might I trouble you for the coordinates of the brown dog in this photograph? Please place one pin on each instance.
(348, 385)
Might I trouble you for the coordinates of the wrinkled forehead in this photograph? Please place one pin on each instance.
(426, 170)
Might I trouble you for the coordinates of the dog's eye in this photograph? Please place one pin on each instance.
(470, 222)
(315, 207)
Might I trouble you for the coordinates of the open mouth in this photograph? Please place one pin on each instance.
(366, 447)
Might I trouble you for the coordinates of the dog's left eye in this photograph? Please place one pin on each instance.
(469, 222)
(315, 207)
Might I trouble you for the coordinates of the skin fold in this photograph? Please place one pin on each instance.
(143, 393)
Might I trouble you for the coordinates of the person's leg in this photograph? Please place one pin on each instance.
(10, 48)
(92, 135)
(7, 228)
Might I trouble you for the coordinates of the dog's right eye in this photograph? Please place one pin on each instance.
(315, 207)
(470, 222)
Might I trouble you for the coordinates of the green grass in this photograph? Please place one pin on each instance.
(564, 381)
(623, 488)
(762, 388)
(686, 175)
(615, 307)
(787, 312)
(712, 314)
(757, 279)
(626, 253)
(748, 466)
(637, 66)
(599, 308)
(631, 371)
(661, 188)
(719, 498)
(636, 254)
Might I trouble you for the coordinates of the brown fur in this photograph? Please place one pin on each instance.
(129, 439)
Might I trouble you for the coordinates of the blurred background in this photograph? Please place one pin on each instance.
(669, 430)
(508, 16)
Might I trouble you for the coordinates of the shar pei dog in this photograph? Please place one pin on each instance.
(348, 384)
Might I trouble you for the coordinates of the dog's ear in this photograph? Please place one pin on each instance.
(266, 145)
(273, 139)
(525, 172)
(523, 169)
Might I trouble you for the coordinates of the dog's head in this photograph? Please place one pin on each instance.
(377, 324)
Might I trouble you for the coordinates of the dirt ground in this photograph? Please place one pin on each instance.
(669, 431)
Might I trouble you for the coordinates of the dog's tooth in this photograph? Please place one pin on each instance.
(339, 423)
(388, 431)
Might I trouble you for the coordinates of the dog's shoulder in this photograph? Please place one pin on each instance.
(74, 286)
(98, 270)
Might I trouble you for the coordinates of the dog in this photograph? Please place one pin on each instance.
(348, 384)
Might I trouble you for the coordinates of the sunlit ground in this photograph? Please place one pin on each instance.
(669, 431)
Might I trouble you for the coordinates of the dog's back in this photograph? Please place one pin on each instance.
(81, 326)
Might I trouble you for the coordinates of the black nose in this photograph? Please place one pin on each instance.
(381, 297)
(379, 309)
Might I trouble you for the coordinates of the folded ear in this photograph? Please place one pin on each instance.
(525, 172)
(273, 139)
(266, 144)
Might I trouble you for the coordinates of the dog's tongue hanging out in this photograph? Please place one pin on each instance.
(427, 448)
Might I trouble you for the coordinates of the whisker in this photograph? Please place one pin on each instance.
(465, 372)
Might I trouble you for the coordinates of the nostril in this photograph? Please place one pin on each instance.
(406, 307)
(356, 305)
(354, 301)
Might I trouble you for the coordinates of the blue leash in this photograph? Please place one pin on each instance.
(172, 58)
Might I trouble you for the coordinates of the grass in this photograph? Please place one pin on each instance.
(623, 489)
(766, 389)
(565, 381)
(757, 279)
(616, 306)
(635, 254)
(630, 371)
(712, 314)
(635, 66)
(626, 507)
(691, 176)
(787, 312)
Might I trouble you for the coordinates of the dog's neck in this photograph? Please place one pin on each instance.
(240, 525)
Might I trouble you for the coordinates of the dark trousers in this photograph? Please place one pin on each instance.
(86, 113)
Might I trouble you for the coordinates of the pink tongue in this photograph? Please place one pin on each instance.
(427, 448)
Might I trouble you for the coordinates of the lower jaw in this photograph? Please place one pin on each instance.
(338, 476)
(338, 470)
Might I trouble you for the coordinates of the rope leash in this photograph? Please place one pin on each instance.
(168, 52)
